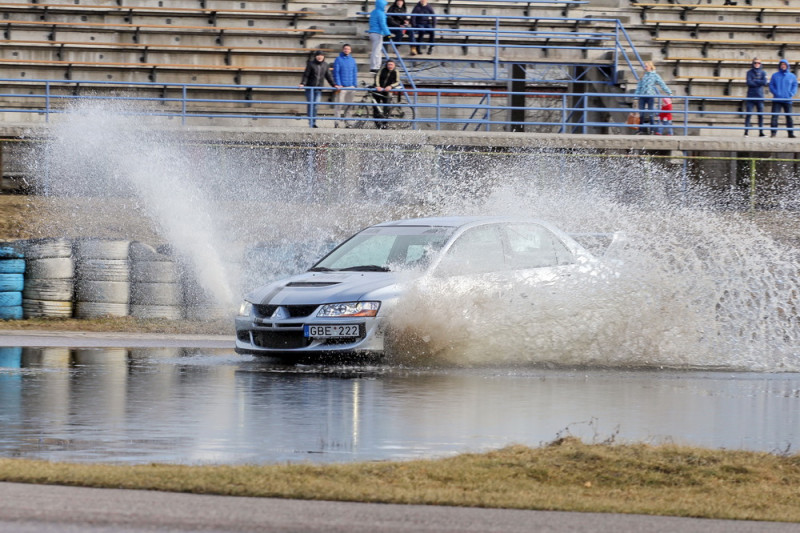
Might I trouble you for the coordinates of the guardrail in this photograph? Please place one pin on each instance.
(425, 108)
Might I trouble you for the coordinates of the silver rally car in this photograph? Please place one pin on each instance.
(340, 305)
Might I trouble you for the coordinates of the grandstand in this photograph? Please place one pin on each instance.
(232, 61)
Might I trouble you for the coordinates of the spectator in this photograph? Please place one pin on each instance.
(385, 80)
(646, 90)
(665, 117)
(425, 24)
(783, 86)
(756, 81)
(345, 76)
(317, 71)
(377, 31)
(398, 20)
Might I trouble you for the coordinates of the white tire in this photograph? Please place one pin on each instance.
(103, 270)
(45, 248)
(46, 308)
(50, 268)
(170, 312)
(156, 294)
(100, 309)
(140, 251)
(103, 291)
(49, 289)
(154, 272)
(101, 249)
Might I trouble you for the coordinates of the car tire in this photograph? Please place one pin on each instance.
(12, 266)
(103, 291)
(100, 309)
(49, 289)
(46, 308)
(50, 268)
(101, 249)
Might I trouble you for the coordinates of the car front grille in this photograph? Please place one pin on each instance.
(280, 339)
(295, 311)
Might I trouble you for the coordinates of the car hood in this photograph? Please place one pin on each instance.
(330, 287)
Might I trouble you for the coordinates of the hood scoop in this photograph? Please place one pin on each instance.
(311, 283)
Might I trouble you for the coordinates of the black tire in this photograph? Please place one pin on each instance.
(103, 270)
(363, 117)
(117, 292)
(102, 249)
(401, 118)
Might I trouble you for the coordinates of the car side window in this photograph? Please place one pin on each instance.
(534, 246)
(478, 250)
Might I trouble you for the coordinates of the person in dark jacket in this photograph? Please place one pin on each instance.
(783, 86)
(385, 81)
(345, 75)
(756, 81)
(398, 20)
(317, 71)
(424, 23)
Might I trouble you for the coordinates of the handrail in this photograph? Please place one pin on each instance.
(435, 108)
(497, 38)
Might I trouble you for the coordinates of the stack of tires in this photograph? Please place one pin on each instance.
(49, 279)
(156, 290)
(12, 270)
(102, 278)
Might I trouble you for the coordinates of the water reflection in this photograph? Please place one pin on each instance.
(198, 406)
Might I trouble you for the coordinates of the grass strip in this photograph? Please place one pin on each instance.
(567, 475)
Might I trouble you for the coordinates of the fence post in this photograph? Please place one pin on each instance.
(47, 101)
(183, 105)
(752, 184)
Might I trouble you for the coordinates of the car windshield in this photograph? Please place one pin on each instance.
(387, 248)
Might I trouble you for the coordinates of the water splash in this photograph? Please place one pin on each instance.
(697, 286)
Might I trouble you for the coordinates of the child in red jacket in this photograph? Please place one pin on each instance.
(665, 117)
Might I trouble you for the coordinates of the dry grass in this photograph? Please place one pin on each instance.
(567, 475)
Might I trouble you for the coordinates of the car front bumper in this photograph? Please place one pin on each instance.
(285, 338)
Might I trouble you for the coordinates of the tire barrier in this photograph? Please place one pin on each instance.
(12, 281)
(156, 291)
(49, 278)
(102, 274)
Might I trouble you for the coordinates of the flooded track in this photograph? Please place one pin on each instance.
(199, 406)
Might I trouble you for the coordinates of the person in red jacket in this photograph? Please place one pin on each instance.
(665, 117)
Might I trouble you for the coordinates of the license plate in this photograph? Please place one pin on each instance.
(332, 330)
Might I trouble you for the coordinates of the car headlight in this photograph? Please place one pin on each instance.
(350, 309)
(246, 309)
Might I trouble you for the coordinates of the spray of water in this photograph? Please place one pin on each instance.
(693, 286)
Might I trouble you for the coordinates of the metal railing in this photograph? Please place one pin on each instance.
(498, 41)
(451, 108)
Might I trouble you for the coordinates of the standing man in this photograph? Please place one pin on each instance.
(425, 24)
(345, 75)
(377, 31)
(317, 71)
(783, 86)
(756, 81)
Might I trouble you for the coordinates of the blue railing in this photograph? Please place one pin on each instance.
(452, 108)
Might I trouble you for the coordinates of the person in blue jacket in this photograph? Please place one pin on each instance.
(345, 75)
(377, 31)
(783, 86)
(756, 81)
(646, 90)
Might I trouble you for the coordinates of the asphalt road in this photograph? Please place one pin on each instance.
(44, 509)
(93, 339)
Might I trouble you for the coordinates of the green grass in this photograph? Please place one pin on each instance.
(566, 475)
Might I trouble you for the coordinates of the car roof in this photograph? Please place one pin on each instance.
(454, 221)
